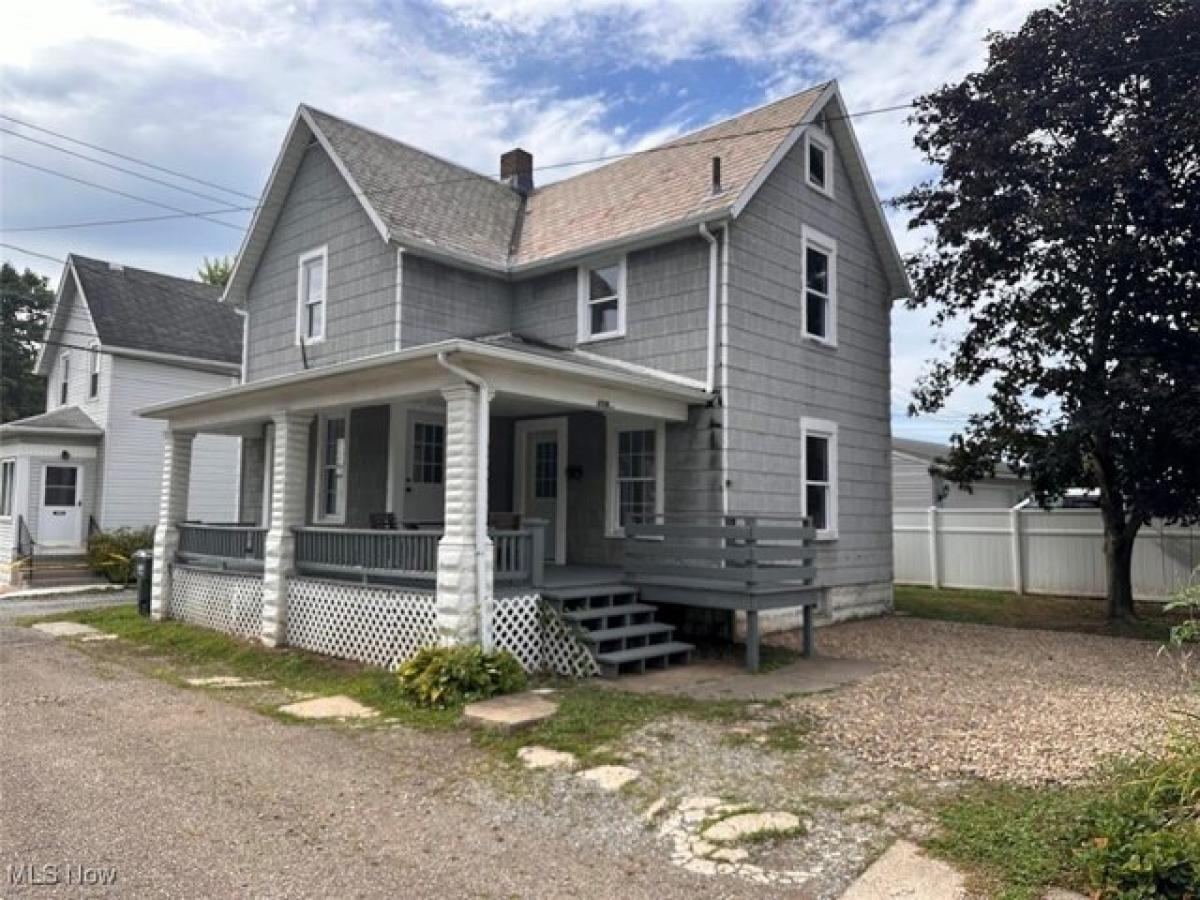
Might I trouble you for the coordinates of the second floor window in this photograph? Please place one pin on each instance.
(310, 302)
(602, 301)
(64, 386)
(94, 375)
(819, 299)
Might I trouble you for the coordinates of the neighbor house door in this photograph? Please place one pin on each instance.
(425, 475)
(60, 518)
(541, 489)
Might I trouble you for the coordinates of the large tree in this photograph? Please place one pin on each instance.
(1065, 249)
(25, 301)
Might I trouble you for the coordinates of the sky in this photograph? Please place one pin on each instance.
(208, 87)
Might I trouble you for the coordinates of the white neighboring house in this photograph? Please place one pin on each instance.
(118, 339)
(913, 487)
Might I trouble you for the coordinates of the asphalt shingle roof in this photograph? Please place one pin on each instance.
(70, 417)
(143, 310)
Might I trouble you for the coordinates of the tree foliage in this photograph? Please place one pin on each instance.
(216, 270)
(1065, 244)
(25, 301)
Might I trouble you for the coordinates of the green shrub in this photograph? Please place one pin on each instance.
(110, 553)
(439, 677)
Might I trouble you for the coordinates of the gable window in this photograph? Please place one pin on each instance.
(818, 161)
(8, 475)
(819, 477)
(429, 453)
(310, 296)
(64, 385)
(636, 465)
(602, 301)
(94, 375)
(331, 469)
(819, 275)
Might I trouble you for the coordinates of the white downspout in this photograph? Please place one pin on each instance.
(482, 583)
(711, 363)
(725, 369)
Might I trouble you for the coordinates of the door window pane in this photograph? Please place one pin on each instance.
(59, 489)
(545, 473)
(429, 453)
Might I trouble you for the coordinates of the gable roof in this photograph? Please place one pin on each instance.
(427, 204)
(138, 310)
(65, 418)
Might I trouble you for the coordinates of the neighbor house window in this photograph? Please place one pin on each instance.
(94, 375)
(429, 453)
(64, 386)
(310, 301)
(819, 276)
(8, 474)
(818, 161)
(818, 471)
(331, 480)
(602, 301)
(636, 468)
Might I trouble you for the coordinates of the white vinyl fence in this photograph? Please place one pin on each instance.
(1035, 551)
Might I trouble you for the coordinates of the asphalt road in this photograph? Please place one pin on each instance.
(186, 795)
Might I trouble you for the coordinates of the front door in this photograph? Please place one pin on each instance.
(60, 519)
(425, 478)
(541, 482)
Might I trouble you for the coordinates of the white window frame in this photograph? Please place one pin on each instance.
(64, 382)
(94, 371)
(8, 486)
(302, 304)
(810, 237)
(319, 515)
(818, 138)
(584, 331)
(612, 493)
(823, 428)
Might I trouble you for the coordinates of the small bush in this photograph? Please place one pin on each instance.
(440, 677)
(110, 553)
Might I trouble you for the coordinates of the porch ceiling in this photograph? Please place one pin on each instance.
(558, 379)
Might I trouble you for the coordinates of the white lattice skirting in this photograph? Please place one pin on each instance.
(532, 631)
(378, 625)
(217, 600)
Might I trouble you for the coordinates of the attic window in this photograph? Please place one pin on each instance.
(94, 377)
(64, 385)
(602, 301)
(818, 162)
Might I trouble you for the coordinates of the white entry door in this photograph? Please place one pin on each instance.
(425, 478)
(541, 489)
(60, 518)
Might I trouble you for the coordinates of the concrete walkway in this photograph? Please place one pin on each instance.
(23, 604)
(729, 680)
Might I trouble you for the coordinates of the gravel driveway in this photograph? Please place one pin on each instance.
(1017, 705)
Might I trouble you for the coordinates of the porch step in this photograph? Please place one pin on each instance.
(569, 596)
(644, 630)
(626, 612)
(638, 659)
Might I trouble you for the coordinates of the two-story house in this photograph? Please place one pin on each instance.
(689, 334)
(117, 339)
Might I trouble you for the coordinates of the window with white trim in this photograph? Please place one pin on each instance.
(64, 385)
(635, 473)
(818, 161)
(602, 301)
(819, 277)
(333, 452)
(819, 476)
(310, 296)
(94, 373)
(8, 477)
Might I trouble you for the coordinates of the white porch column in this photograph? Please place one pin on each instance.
(176, 474)
(459, 591)
(289, 481)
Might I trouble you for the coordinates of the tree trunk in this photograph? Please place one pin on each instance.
(1118, 557)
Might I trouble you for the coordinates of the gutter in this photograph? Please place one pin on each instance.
(482, 547)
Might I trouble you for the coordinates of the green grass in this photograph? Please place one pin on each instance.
(189, 650)
(1082, 614)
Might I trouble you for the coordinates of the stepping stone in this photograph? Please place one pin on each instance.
(730, 854)
(510, 712)
(225, 681)
(335, 707)
(92, 638)
(610, 778)
(745, 825)
(905, 872)
(65, 629)
(689, 803)
(545, 758)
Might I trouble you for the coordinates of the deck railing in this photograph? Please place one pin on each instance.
(220, 545)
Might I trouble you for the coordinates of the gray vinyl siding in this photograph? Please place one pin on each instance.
(776, 376)
(133, 451)
(250, 501)
(914, 488)
(912, 485)
(360, 312)
(666, 317)
(440, 302)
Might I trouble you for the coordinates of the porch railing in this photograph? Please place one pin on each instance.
(224, 546)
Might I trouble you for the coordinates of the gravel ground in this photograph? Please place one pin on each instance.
(999, 703)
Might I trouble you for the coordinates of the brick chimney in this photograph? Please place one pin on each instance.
(516, 170)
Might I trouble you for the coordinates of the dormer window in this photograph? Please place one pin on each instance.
(602, 301)
(310, 296)
(818, 161)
